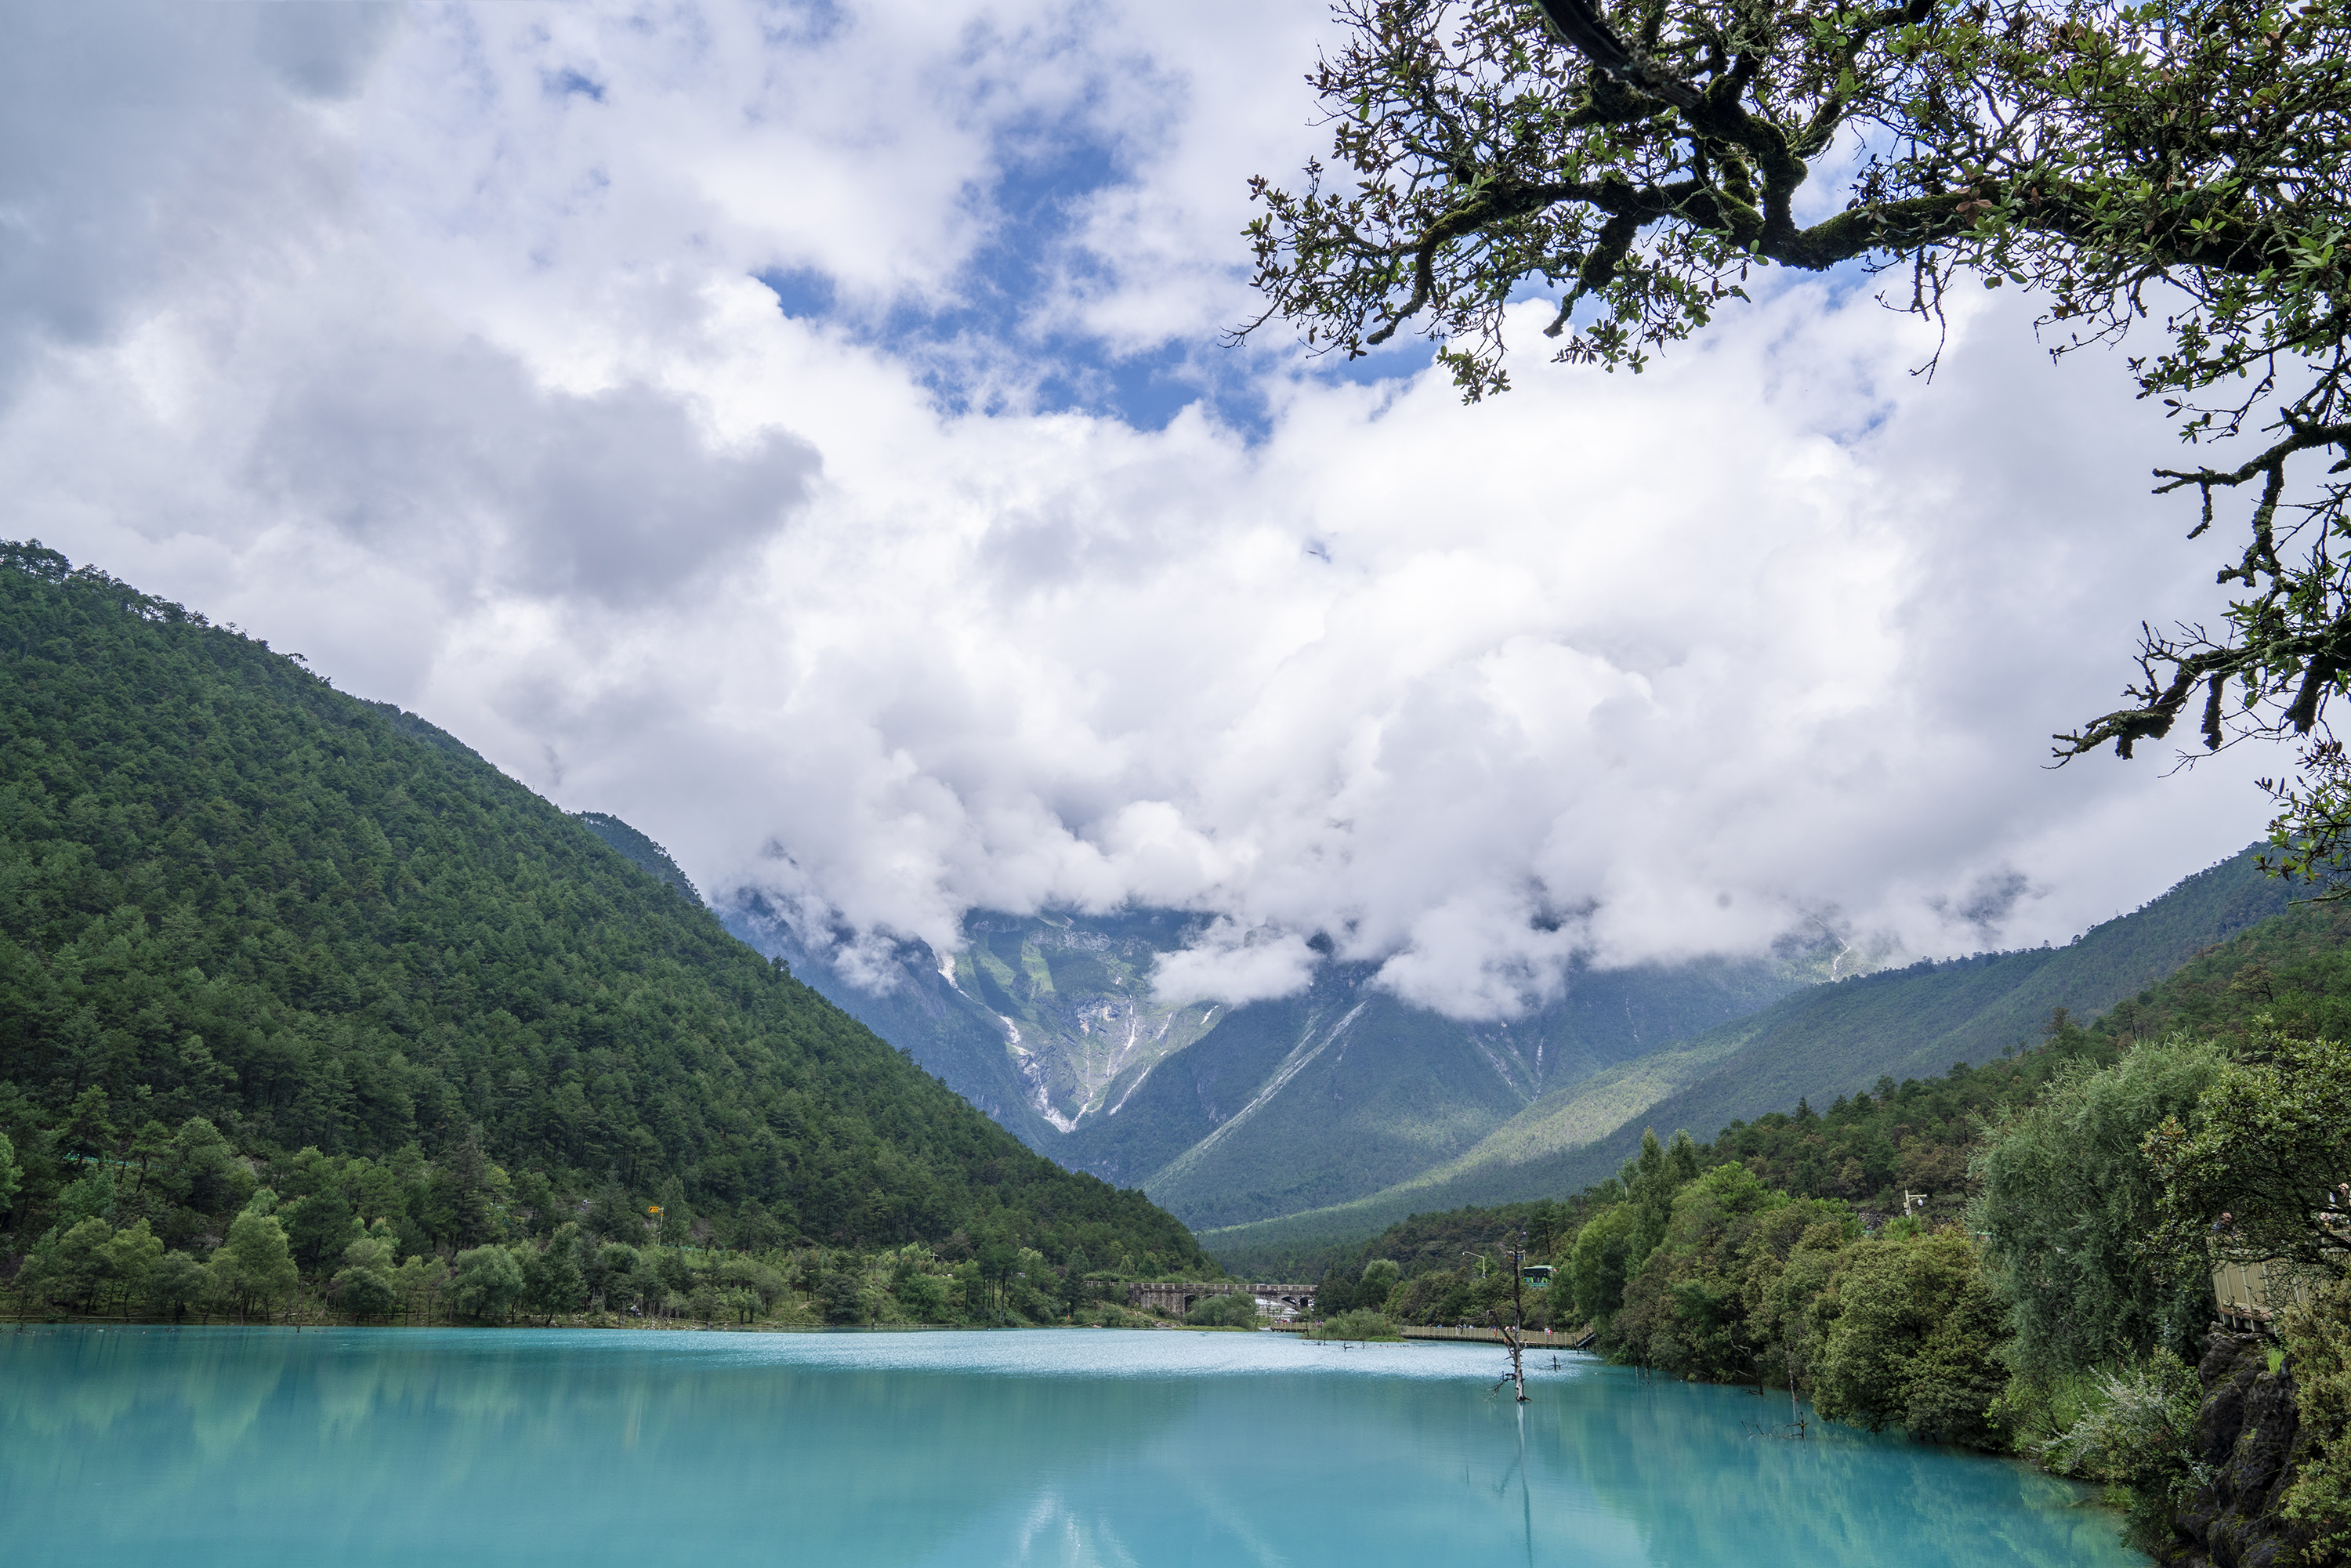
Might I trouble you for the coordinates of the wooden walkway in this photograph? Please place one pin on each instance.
(1533, 1339)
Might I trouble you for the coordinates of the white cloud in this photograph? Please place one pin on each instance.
(1235, 965)
(427, 343)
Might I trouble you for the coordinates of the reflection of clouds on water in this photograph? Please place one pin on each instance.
(1053, 1536)
(1069, 1449)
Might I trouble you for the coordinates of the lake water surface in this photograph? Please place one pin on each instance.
(206, 1446)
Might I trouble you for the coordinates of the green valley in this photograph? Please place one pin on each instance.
(1819, 1042)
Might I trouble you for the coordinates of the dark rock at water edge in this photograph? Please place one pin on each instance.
(2248, 1442)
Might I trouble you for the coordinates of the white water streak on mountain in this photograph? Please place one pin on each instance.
(1308, 1047)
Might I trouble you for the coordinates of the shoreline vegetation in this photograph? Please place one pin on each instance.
(2046, 1289)
(307, 1311)
(586, 1320)
(305, 1258)
(1356, 1325)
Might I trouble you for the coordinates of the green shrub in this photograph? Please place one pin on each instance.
(2063, 1200)
(841, 1300)
(1233, 1312)
(1361, 1324)
(363, 1292)
(486, 1283)
(756, 1277)
(552, 1279)
(253, 1267)
(2132, 1432)
(1912, 1339)
(175, 1284)
(64, 1270)
(1378, 1283)
(924, 1297)
(2317, 1338)
(1601, 1260)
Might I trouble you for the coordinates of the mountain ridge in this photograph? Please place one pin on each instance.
(1305, 1124)
(1827, 1039)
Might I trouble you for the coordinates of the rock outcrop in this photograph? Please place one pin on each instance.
(2249, 1437)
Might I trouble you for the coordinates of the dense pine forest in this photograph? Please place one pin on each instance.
(269, 953)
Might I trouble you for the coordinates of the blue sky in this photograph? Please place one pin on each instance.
(804, 432)
(998, 305)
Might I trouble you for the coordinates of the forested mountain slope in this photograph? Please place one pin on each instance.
(1916, 1022)
(1818, 1043)
(230, 892)
(1915, 1136)
(1049, 1023)
(2296, 969)
(641, 852)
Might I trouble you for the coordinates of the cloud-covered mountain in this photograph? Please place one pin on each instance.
(1286, 1121)
(1224, 1113)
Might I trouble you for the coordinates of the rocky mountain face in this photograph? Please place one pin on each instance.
(1047, 1022)
(1043, 1022)
(1074, 1000)
(1343, 1108)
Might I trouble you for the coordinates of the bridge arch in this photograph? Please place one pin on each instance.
(1178, 1297)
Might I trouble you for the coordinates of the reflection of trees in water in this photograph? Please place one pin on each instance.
(389, 1445)
(1673, 1458)
(397, 1435)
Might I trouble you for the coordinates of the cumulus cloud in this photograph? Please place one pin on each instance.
(324, 50)
(613, 496)
(1236, 965)
(434, 343)
(109, 124)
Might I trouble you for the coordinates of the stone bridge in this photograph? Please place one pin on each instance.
(1179, 1297)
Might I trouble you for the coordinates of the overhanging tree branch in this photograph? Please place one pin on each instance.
(2143, 170)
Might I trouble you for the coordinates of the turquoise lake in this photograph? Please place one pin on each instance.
(203, 1446)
